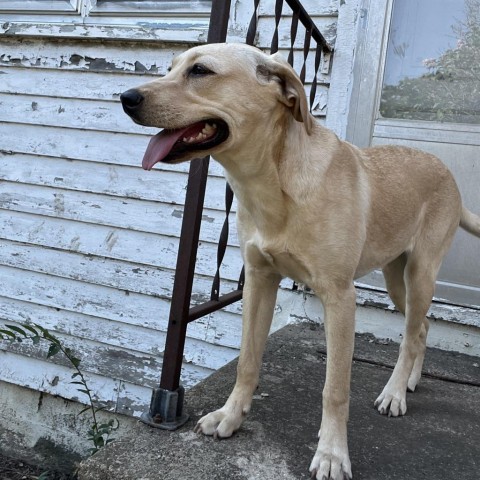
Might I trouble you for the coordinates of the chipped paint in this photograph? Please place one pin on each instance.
(59, 203)
(95, 57)
(187, 32)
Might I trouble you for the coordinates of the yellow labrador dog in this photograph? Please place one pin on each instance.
(310, 207)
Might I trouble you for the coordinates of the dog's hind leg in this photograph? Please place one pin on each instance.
(394, 279)
(419, 277)
(420, 272)
(437, 222)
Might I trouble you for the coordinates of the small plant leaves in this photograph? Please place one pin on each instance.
(75, 361)
(31, 330)
(44, 331)
(98, 433)
(8, 333)
(53, 350)
(17, 329)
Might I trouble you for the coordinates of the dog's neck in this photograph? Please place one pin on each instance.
(256, 173)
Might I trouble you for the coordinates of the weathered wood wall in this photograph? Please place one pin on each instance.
(88, 239)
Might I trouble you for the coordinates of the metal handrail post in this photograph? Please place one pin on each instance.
(166, 406)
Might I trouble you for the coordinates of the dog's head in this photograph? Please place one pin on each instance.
(215, 98)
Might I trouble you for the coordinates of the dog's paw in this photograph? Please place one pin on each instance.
(327, 465)
(221, 423)
(391, 403)
(331, 460)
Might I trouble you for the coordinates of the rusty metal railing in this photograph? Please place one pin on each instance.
(166, 408)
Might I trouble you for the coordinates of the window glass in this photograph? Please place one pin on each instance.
(432, 69)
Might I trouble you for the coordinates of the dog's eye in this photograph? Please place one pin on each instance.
(198, 70)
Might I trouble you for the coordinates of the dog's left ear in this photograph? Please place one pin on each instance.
(293, 93)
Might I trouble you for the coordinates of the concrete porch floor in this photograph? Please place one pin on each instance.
(439, 438)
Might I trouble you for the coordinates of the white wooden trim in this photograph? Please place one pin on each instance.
(174, 8)
(63, 27)
(35, 7)
(343, 61)
(368, 63)
(456, 133)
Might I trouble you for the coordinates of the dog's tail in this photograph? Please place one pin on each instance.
(470, 222)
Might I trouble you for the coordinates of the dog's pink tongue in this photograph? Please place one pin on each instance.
(159, 146)
(162, 143)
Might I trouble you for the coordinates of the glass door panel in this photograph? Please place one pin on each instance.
(432, 67)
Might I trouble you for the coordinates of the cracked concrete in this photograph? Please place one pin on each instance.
(439, 437)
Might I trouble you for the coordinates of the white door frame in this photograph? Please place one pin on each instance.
(369, 63)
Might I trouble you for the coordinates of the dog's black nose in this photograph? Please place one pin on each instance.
(131, 100)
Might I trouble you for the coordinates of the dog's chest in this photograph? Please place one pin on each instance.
(282, 257)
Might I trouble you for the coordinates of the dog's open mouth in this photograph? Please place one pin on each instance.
(179, 144)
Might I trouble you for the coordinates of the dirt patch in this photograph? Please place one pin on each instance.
(11, 469)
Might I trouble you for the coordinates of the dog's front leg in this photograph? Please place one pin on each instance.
(260, 293)
(331, 460)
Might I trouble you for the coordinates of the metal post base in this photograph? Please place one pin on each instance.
(166, 409)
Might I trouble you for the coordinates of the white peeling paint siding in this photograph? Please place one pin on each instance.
(88, 240)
